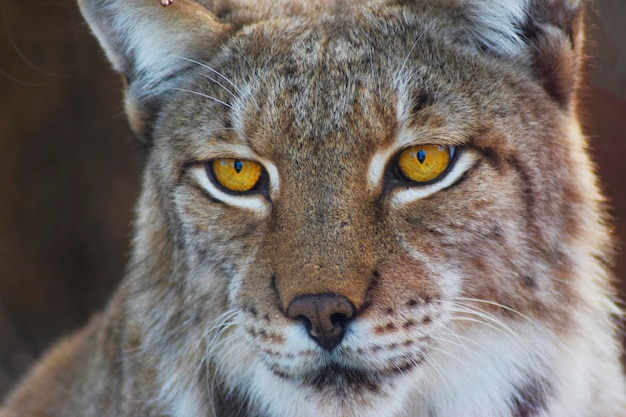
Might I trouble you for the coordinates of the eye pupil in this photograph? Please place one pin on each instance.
(421, 156)
(238, 166)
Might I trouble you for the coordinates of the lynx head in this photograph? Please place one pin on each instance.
(350, 205)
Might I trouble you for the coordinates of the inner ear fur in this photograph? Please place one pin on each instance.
(151, 45)
(546, 34)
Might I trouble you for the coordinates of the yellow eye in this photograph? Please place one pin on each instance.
(424, 163)
(238, 175)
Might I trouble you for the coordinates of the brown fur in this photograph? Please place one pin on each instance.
(318, 90)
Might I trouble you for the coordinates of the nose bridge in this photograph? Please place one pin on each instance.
(325, 250)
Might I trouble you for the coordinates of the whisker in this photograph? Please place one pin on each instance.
(377, 78)
(491, 326)
(468, 309)
(478, 312)
(462, 339)
(450, 342)
(219, 74)
(451, 355)
(17, 80)
(408, 55)
(214, 340)
(251, 71)
(202, 95)
(438, 370)
(221, 85)
(220, 325)
(502, 306)
(143, 348)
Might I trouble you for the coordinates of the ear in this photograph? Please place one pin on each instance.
(547, 34)
(150, 45)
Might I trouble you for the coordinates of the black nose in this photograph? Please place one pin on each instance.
(326, 316)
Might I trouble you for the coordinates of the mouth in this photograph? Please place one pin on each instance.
(340, 378)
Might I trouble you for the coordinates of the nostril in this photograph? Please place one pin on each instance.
(339, 320)
(305, 322)
(325, 316)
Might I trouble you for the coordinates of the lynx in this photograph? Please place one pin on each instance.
(356, 208)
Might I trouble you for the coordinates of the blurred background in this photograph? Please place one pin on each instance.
(69, 168)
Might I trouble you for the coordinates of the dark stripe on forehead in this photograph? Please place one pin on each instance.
(530, 400)
(421, 101)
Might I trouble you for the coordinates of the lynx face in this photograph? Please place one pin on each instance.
(382, 273)
(362, 209)
(346, 282)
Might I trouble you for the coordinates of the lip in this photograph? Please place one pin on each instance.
(337, 376)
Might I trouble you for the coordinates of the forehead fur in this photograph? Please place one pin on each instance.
(494, 23)
(525, 33)
(367, 71)
(246, 10)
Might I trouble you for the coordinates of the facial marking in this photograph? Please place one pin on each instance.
(408, 194)
(255, 202)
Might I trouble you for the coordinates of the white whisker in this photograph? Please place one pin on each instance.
(203, 95)
(443, 341)
(444, 376)
(408, 55)
(219, 74)
(233, 95)
(491, 326)
(502, 306)
(473, 310)
(460, 361)
(239, 91)
(461, 339)
(144, 347)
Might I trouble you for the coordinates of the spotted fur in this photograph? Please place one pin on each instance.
(484, 293)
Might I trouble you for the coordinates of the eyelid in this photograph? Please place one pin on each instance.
(464, 161)
(198, 173)
(380, 163)
(222, 150)
(252, 201)
(405, 138)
